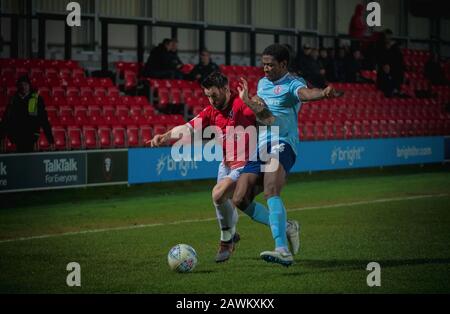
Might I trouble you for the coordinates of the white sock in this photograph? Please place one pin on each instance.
(227, 217)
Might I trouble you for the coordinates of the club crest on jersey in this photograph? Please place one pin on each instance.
(231, 114)
(277, 90)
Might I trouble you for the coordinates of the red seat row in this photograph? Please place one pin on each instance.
(345, 129)
(38, 63)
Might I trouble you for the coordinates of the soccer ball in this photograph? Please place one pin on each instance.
(182, 258)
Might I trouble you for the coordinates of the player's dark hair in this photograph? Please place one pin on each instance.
(215, 79)
(278, 52)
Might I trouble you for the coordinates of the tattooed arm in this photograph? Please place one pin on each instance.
(256, 104)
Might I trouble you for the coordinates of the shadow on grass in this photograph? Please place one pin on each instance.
(323, 266)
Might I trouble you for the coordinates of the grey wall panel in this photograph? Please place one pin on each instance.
(344, 12)
(269, 13)
(175, 10)
(300, 14)
(129, 8)
(419, 26)
(225, 12)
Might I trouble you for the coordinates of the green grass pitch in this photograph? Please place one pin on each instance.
(398, 217)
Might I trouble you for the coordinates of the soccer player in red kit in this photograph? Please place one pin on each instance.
(226, 111)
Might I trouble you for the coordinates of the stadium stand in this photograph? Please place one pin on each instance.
(93, 113)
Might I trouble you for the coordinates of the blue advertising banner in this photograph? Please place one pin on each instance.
(156, 164)
(329, 155)
(447, 148)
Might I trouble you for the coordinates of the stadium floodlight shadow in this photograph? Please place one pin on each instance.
(309, 266)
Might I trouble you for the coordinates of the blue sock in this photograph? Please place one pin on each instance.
(277, 218)
(258, 212)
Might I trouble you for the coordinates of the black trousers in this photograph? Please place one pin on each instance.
(25, 146)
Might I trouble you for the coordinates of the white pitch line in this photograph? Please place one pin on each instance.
(381, 200)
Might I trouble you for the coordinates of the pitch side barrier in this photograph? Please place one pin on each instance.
(157, 165)
(56, 170)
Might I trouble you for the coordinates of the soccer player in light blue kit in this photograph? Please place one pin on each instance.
(283, 94)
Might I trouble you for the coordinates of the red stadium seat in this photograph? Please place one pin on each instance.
(119, 137)
(133, 136)
(9, 147)
(104, 135)
(86, 91)
(309, 131)
(90, 138)
(81, 115)
(101, 100)
(113, 91)
(44, 91)
(175, 96)
(146, 134)
(136, 110)
(42, 143)
(86, 101)
(94, 110)
(74, 138)
(59, 134)
(58, 92)
(109, 111)
(10, 91)
(110, 120)
(73, 101)
(141, 100)
(100, 91)
(122, 111)
(128, 101)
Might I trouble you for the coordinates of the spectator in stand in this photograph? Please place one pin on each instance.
(353, 67)
(154, 67)
(163, 61)
(389, 52)
(24, 117)
(304, 60)
(358, 27)
(204, 68)
(174, 61)
(331, 68)
(340, 65)
(385, 81)
(434, 72)
(312, 69)
(293, 66)
(323, 59)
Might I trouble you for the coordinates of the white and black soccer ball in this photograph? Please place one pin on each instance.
(182, 258)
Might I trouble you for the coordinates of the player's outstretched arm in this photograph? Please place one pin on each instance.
(310, 94)
(256, 104)
(173, 134)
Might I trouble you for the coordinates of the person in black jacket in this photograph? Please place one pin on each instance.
(24, 117)
(163, 62)
(204, 68)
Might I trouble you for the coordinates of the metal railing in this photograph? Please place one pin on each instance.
(200, 27)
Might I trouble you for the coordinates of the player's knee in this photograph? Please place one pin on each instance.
(271, 190)
(218, 195)
(240, 201)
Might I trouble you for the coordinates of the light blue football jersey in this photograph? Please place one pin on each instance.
(282, 99)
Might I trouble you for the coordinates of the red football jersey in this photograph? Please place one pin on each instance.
(237, 115)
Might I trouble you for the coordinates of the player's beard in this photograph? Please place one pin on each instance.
(221, 104)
